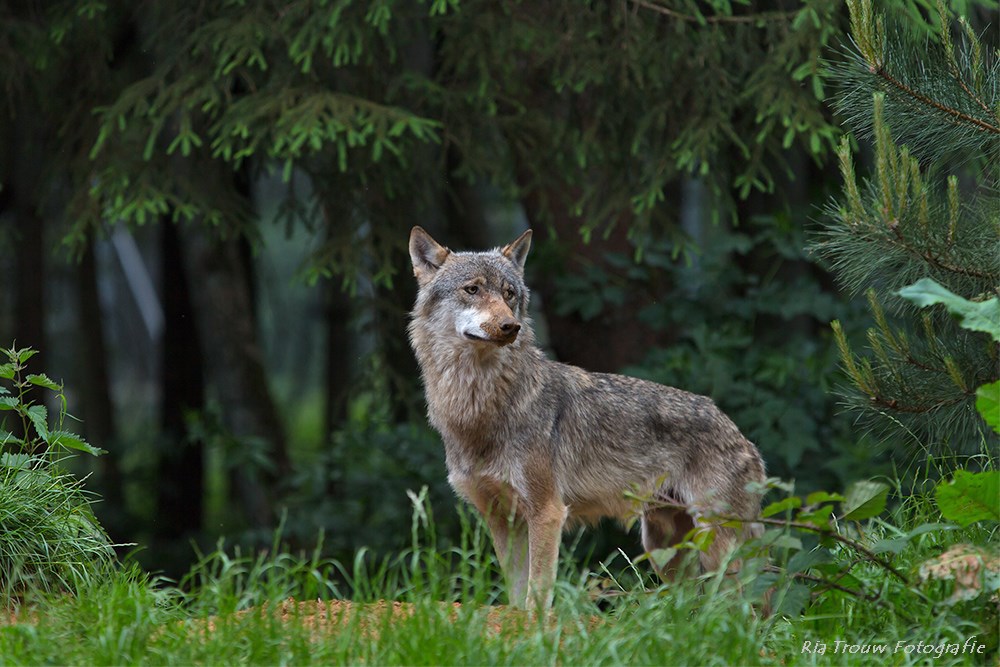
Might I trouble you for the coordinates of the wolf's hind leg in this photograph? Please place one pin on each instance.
(663, 527)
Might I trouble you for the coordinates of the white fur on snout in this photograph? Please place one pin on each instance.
(469, 321)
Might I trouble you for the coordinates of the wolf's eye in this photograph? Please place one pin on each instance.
(509, 293)
(472, 289)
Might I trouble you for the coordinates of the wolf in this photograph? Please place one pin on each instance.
(537, 445)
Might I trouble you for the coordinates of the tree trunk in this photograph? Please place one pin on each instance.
(391, 316)
(95, 388)
(338, 359)
(235, 365)
(21, 176)
(616, 337)
(180, 491)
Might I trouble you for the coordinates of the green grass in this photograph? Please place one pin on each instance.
(128, 617)
(49, 537)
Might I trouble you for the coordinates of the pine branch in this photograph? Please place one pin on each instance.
(916, 95)
(947, 97)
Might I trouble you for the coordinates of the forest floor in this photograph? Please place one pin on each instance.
(323, 616)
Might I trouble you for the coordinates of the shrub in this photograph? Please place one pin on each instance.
(49, 537)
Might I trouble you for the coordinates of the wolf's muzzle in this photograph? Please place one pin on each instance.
(503, 332)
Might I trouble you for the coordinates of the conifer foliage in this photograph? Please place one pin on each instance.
(928, 210)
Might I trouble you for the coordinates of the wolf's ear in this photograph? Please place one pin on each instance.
(517, 250)
(426, 254)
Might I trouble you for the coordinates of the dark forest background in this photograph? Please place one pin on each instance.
(205, 207)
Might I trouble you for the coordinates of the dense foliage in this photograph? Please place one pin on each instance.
(669, 154)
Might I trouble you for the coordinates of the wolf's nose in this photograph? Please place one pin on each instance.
(510, 326)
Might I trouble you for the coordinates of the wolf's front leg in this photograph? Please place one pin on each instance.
(545, 524)
(510, 541)
(500, 509)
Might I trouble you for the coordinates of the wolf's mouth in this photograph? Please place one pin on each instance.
(499, 342)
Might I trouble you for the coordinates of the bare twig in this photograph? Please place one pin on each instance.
(820, 530)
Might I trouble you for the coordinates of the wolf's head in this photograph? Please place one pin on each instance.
(479, 297)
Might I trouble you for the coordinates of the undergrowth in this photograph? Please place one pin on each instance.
(233, 608)
(50, 539)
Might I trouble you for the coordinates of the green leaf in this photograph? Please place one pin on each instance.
(701, 539)
(73, 441)
(805, 560)
(9, 438)
(970, 497)
(817, 497)
(8, 403)
(39, 417)
(794, 600)
(18, 461)
(661, 557)
(864, 500)
(981, 316)
(25, 354)
(988, 404)
(42, 380)
(819, 517)
(7, 371)
(779, 539)
(790, 503)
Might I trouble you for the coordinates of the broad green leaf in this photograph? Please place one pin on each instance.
(43, 380)
(817, 497)
(981, 316)
(805, 560)
(864, 500)
(781, 539)
(790, 503)
(661, 557)
(11, 460)
(39, 417)
(988, 404)
(73, 441)
(8, 402)
(7, 438)
(819, 517)
(835, 570)
(702, 540)
(970, 497)
(25, 354)
(794, 600)
(7, 371)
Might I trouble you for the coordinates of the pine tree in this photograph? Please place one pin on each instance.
(929, 209)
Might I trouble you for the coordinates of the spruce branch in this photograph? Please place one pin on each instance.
(760, 17)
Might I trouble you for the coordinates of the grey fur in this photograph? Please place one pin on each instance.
(535, 444)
